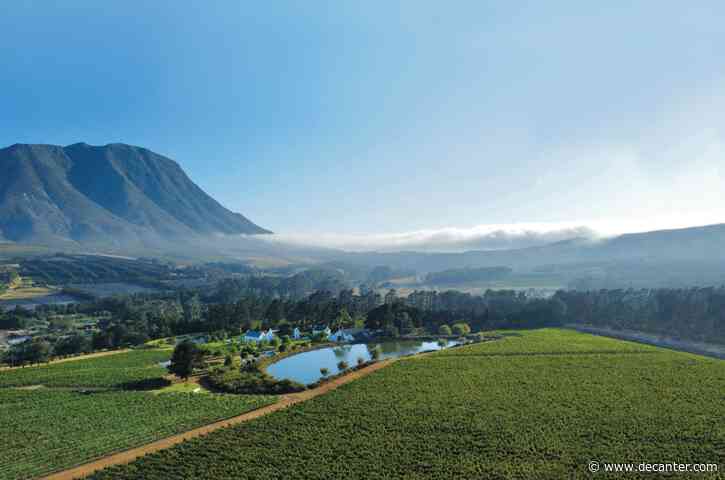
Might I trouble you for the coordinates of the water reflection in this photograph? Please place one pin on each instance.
(305, 367)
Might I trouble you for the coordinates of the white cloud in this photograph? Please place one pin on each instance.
(489, 237)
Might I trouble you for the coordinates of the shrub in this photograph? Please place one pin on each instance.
(375, 354)
(461, 329)
(247, 382)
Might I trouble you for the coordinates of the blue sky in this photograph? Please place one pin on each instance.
(357, 118)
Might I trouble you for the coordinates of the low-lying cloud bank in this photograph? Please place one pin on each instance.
(483, 237)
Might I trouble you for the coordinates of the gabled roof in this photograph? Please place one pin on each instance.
(254, 334)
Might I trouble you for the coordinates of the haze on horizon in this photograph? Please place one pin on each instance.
(394, 127)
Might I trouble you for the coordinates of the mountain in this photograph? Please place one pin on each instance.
(114, 195)
(681, 257)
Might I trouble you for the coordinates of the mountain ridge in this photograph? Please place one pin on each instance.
(114, 194)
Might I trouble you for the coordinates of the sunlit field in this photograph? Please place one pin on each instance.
(538, 404)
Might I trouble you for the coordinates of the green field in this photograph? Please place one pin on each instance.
(539, 405)
(112, 371)
(550, 342)
(45, 430)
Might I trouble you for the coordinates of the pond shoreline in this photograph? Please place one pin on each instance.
(304, 367)
(268, 361)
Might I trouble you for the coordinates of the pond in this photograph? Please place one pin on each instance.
(305, 367)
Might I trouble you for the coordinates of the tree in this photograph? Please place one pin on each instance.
(324, 372)
(375, 354)
(71, 345)
(405, 323)
(342, 365)
(32, 351)
(191, 309)
(228, 361)
(445, 330)
(461, 329)
(391, 331)
(36, 351)
(185, 359)
(360, 361)
(344, 320)
(285, 329)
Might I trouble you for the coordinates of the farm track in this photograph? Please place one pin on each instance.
(285, 401)
(70, 359)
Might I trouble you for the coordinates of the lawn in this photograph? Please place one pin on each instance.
(536, 405)
(45, 430)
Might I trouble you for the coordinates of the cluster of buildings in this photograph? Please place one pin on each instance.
(340, 335)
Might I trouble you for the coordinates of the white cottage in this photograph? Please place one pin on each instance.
(258, 336)
(341, 336)
(296, 334)
(324, 330)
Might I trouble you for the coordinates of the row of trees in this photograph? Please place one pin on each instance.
(43, 348)
(693, 314)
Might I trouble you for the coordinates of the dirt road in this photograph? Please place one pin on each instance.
(285, 401)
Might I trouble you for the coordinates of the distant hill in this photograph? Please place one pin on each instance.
(113, 195)
(467, 275)
(681, 257)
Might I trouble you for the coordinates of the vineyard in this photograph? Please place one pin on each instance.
(113, 371)
(550, 342)
(535, 405)
(46, 430)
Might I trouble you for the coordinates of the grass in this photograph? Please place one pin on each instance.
(46, 430)
(182, 387)
(536, 405)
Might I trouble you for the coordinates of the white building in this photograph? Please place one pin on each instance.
(258, 336)
(324, 330)
(296, 334)
(341, 336)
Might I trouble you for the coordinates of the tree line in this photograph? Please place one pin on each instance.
(696, 314)
(692, 314)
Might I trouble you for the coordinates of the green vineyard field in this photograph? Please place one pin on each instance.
(536, 405)
(111, 371)
(45, 430)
